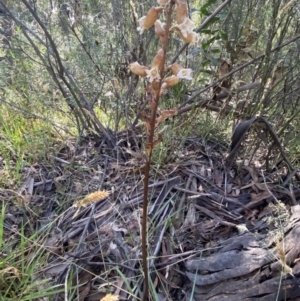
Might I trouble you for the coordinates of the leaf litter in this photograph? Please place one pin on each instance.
(208, 222)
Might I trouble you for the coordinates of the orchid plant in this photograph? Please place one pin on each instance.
(184, 27)
(158, 84)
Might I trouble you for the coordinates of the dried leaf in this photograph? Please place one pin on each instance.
(282, 257)
(164, 115)
(224, 69)
(253, 172)
(85, 286)
(92, 198)
(57, 268)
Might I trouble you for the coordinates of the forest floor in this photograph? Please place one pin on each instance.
(72, 228)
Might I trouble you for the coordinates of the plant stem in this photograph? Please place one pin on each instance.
(148, 163)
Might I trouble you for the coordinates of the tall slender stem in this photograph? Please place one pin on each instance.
(148, 163)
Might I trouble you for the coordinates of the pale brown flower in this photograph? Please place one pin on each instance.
(156, 66)
(153, 74)
(138, 69)
(186, 26)
(162, 2)
(148, 21)
(181, 11)
(160, 31)
(185, 74)
(158, 60)
(163, 88)
(175, 68)
(171, 80)
(189, 36)
(181, 72)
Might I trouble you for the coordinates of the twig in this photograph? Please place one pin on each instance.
(191, 99)
(290, 176)
(60, 160)
(62, 71)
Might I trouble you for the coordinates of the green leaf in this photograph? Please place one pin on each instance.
(223, 35)
(216, 50)
(214, 61)
(209, 31)
(205, 63)
(205, 45)
(209, 3)
(205, 71)
(214, 20)
(204, 12)
(204, 8)
(2, 216)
